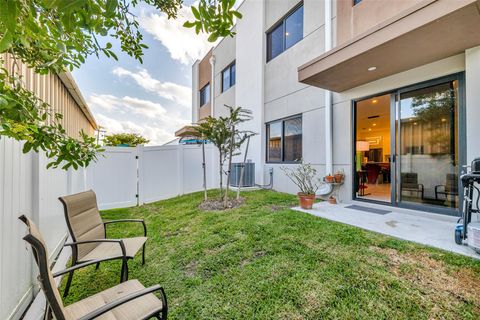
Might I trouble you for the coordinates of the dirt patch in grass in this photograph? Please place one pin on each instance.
(276, 208)
(218, 205)
(256, 255)
(191, 269)
(448, 288)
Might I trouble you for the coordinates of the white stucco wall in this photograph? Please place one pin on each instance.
(225, 54)
(472, 83)
(250, 57)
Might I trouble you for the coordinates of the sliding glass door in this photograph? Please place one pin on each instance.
(428, 152)
(408, 146)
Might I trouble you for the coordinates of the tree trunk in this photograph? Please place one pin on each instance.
(242, 170)
(204, 167)
(230, 152)
(220, 170)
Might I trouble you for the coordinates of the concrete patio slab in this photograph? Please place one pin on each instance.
(429, 229)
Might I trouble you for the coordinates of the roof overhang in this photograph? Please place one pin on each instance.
(71, 85)
(430, 31)
(186, 131)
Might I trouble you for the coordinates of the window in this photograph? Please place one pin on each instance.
(355, 2)
(284, 35)
(284, 140)
(205, 95)
(228, 77)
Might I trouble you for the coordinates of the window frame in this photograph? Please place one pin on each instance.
(229, 69)
(281, 22)
(282, 139)
(200, 92)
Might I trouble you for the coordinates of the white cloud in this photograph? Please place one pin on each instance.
(157, 133)
(168, 90)
(127, 114)
(126, 105)
(183, 43)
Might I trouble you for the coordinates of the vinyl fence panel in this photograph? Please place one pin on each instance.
(114, 178)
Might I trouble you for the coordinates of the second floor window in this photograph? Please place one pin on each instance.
(228, 77)
(205, 94)
(285, 34)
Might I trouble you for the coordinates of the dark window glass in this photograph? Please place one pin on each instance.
(205, 94)
(232, 74)
(285, 140)
(294, 28)
(275, 42)
(356, 2)
(288, 32)
(292, 146)
(228, 77)
(274, 152)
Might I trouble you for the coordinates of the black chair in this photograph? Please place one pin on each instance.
(449, 189)
(410, 183)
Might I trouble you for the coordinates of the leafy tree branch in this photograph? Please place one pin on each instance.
(52, 36)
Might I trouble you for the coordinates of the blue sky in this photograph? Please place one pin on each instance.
(153, 98)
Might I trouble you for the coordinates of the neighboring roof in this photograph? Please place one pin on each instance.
(72, 87)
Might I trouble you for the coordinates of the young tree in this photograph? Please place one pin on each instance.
(53, 36)
(130, 139)
(216, 131)
(225, 134)
(237, 116)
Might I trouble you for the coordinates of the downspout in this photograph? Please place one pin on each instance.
(328, 94)
(212, 87)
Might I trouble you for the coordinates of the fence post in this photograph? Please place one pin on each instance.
(180, 168)
(140, 175)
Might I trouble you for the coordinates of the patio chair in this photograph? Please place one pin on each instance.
(450, 188)
(89, 235)
(410, 183)
(127, 301)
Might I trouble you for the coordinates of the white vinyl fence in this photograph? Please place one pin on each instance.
(27, 187)
(125, 177)
(122, 177)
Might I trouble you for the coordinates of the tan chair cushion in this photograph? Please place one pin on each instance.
(133, 310)
(84, 220)
(107, 250)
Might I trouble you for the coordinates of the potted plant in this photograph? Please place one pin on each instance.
(332, 200)
(339, 176)
(329, 178)
(304, 177)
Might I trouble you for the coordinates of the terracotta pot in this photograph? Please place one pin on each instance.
(332, 200)
(338, 178)
(306, 200)
(329, 179)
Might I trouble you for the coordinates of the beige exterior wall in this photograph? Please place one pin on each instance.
(354, 20)
(51, 89)
(204, 77)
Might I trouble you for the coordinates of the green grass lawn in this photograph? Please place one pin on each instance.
(265, 261)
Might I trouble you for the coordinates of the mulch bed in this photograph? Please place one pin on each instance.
(218, 205)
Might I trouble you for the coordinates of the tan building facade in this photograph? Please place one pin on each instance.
(62, 93)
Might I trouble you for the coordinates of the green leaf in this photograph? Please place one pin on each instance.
(195, 12)
(213, 37)
(189, 24)
(110, 7)
(6, 41)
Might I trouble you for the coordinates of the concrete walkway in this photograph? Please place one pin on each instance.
(430, 229)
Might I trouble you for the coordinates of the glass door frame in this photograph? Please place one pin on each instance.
(395, 143)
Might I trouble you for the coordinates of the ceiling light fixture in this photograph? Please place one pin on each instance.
(443, 119)
(372, 68)
(374, 124)
(374, 101)
(369, 129)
